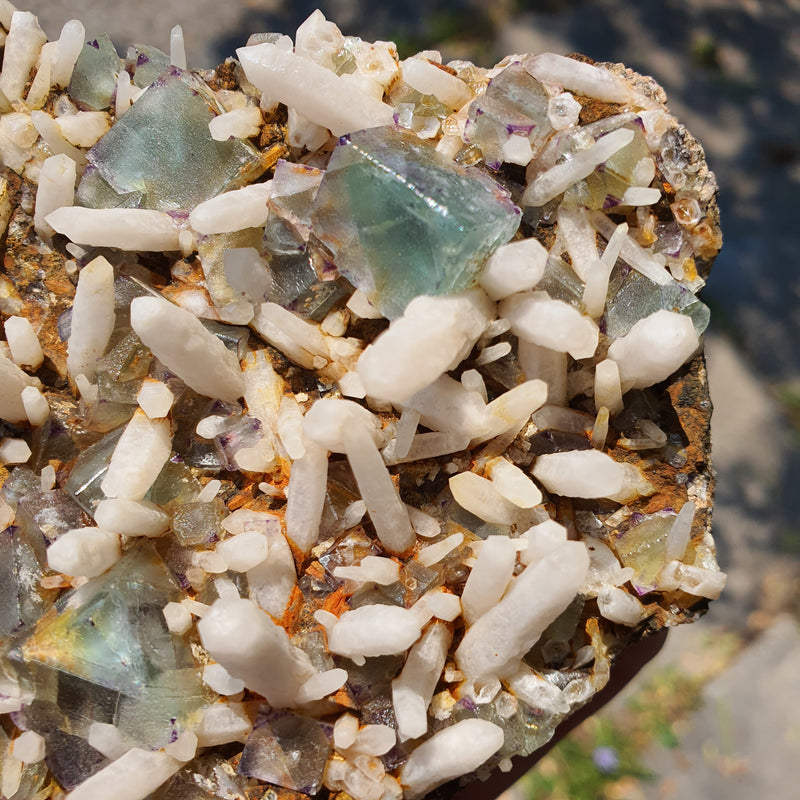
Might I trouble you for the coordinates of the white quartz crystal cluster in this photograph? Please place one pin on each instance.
(449, 393)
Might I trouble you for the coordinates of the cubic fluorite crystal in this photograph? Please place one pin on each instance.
(401, 220)
(369, 447)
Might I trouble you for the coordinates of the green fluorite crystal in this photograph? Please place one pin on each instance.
(112, 631)
(94, 78)
(402, 220)
(160, 152)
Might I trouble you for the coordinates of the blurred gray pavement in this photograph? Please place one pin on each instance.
(731, 69)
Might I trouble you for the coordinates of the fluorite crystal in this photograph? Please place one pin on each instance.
(366, 477)
(151, 152)
(401, 220)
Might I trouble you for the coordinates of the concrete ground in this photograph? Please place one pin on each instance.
(730, 70)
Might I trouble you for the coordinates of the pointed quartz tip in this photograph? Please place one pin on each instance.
(450, 753)
(179, 340)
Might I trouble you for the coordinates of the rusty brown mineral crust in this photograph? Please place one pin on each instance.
(346, 717)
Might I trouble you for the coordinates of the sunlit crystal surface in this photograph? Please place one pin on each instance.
(402, 221)
(95, 76)
(156, 147)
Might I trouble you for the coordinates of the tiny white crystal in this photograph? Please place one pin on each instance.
(179, 340)
(607, 387)
(680, 532)
(308, 484)
(446, 405)
(579, 238)
(433, 553)
(14, 451)
(345, 730)
(375, 740)
(428, 78)
(23, 342)
(177, 48)
(536, 691)
(654, 348)
(617, 605)
(321, 685)
(495, 643)
(580, 77)
(514, 267)
(184, 748)
(312, 90)
(272, 581)
(580, 473)
(242, 638)
(131, 517)
(70, 44)
(239, 123)
(243, 551)
(433, 336)
(480, 497)
(56, 189)
(385, 508)
(108, 740)
(123, 228)
(560, 177)
(92, 318)
(22, 45)
(29, 747)
(155, 398)
(450, 753)
(303, 342)
(86, 552)
(133, 776)
(537, 318)
(563, 111)
(375, 630)
(232, 211)
(220, 680)
(221, 723)
(141, 452)
(490, 576)
(378, 569)
(541, 540)
(177, 617)
(83, 129)
(511, 482)
(37, 409)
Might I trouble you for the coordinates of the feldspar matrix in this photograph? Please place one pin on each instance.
(352, 413)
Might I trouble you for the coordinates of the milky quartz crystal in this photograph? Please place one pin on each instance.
(353, 417)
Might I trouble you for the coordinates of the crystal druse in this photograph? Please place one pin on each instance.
(353, 414)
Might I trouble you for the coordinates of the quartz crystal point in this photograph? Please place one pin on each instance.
(495, 643)
(244, 639)
(401, 220)
(182, 343)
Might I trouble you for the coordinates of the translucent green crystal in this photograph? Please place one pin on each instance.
(145, 63)
(162, 149)
(632, 296)
(83, 483)
(22, 600)
(112, 630)
(642, 547)
(94, 78)
(402, 220)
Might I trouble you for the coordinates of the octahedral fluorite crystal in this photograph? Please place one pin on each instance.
(425, 445)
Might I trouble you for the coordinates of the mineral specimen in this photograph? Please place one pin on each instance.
(352, 416)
